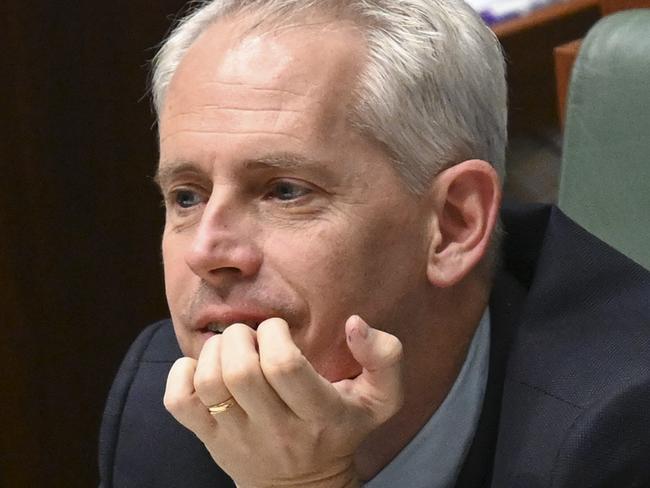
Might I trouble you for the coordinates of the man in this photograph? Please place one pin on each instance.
(331, 173)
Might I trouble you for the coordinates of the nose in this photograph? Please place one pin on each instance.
(223, 247)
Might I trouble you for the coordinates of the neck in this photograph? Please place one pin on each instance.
(433, 357)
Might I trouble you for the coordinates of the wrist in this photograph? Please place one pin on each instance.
(347, 479)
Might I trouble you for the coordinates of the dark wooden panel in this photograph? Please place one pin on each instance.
(612, 6)
(565, 56)
(528, 44)
(79, 227)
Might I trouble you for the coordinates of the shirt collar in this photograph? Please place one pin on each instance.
(434, 457)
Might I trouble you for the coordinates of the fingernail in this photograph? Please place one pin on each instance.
(362, 327)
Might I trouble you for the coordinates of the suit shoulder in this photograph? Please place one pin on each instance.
(155, 344)
(578, 364)
(585, 326)
(608, 441)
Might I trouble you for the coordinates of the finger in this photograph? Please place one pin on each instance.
(243, 377)
(304, 391)
(181, 400)
(379, 387)
(208, 381)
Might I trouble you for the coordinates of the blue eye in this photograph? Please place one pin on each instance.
(186, 198)
(287, 191)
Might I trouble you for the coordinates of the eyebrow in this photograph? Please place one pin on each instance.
(288, 161)
(167, 171)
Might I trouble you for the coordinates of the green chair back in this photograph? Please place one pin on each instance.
(605, 176)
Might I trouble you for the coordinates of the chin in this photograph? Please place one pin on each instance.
(190, 344)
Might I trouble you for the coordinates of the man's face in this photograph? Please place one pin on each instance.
(276, 207)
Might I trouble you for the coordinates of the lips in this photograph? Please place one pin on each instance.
(216, 321)
(218, 327)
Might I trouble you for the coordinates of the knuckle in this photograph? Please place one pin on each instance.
(174, 403)
(284, 439)
(318, 431)
(388, 410)
(212, 342)
(383, 417)
(205, 382)
(271, 324)
(394, 350)
(286, 363)
(240, 373)
(395, 403)
(180, 370)
(234, 330)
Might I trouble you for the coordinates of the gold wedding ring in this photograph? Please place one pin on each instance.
(221, 407)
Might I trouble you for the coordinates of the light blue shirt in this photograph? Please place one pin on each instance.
(435, 455)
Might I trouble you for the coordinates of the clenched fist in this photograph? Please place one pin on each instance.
(288, 425)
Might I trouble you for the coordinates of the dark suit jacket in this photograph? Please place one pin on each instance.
(568, 398)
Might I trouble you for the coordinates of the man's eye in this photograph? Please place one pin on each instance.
(287, 191)
(186, 198)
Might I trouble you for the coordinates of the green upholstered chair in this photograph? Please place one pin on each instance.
(605, 176)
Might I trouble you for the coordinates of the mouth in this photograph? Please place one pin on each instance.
(218, 327)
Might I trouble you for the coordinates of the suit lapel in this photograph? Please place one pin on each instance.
(525, 229)
(505, 306)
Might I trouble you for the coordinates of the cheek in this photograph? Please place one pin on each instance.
(176, 271)
(335, 364)
(372, 272)
(318, 269)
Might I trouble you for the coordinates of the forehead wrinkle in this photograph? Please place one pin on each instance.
(255, 87)
(259, 109)
(202, 102)
(199, 112)
(202, 96)
(231, 133)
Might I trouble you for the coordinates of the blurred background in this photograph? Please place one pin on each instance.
(80, 218)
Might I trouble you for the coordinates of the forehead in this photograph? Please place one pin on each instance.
(294, 68)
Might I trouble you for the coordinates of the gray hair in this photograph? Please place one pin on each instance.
(432, 90)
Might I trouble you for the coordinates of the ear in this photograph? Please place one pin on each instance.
(467, 197)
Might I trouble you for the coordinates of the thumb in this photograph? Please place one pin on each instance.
(380, 355)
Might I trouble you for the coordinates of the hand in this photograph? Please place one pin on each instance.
(289, 426)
